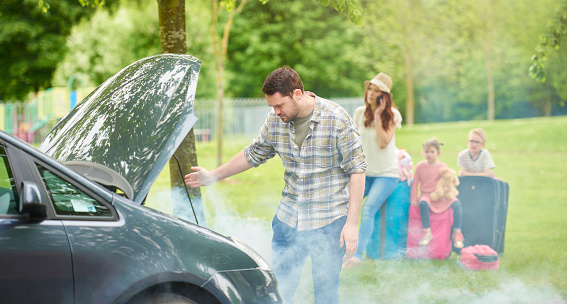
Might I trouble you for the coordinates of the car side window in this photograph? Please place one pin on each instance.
(8, 191)
(68, 199)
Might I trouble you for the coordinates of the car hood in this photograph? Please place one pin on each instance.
(127, 129)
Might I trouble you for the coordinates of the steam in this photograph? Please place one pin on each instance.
(516, 291)
(192, 211)
(224, 219)
(392, 284)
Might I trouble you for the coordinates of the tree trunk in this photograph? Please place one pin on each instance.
(490, 115)
(220, 51)
(410, 102)
(490, 85)
(219, 67)
(173, 40)
(547, 106)
(407, 49)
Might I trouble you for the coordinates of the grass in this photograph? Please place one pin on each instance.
(530, 154)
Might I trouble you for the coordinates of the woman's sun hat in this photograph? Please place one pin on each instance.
(382, 81)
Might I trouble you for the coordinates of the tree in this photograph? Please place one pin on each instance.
(323, 46)
(487, 22)
(131, 32)
(549, 50)
(33, 42)
(173, 40)
(221, 42)
(220, 46)
(398, 42)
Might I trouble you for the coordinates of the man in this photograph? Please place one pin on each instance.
(324, 182)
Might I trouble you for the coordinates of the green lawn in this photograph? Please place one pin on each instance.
(530, 154)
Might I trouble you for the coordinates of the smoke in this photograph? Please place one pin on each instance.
(383, 281)
(424, 281)
(512, 291)
(192, 211)
(516, 291)
(224, 219)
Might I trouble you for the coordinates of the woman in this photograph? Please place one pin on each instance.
(377, 121)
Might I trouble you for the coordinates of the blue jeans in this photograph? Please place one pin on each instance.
(457, 214)
(290, 249)
(377, 190)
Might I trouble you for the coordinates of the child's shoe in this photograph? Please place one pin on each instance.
(458, 239)
(426, 238)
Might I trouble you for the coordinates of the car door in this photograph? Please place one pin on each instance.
(35, 256)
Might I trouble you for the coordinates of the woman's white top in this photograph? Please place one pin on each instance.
(380, 161)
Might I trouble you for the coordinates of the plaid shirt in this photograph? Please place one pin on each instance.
(316, 176)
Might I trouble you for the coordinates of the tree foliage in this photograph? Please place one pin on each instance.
(549, 50)
(447, 46)
(439, 48)
(32, 41)
(350, 8)
(131, 33)
(318, 42)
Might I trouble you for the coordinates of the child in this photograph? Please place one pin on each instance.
(476, 160)
(427, 173)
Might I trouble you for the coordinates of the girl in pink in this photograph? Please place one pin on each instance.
(427, 173)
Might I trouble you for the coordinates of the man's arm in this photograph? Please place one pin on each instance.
(349, 234)
(202, 177)
(486, 172)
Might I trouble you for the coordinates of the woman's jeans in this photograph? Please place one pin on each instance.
(377, 190)
(290, 249)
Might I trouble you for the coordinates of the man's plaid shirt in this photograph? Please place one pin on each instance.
(316, 177)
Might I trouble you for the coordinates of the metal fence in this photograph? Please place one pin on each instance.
(33, 119)
(241, 117)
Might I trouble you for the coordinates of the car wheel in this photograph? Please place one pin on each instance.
(166, 298)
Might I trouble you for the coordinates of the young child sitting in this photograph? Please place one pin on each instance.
(427, 174)
(476, 160)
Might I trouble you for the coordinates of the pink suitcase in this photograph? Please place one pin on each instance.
(440, 246)
(479, 257)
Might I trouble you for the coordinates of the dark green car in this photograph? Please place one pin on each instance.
(73, 228)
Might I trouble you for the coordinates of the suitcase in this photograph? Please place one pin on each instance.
(388, 241)
(479, 257)
(485, 206)
(441, 227)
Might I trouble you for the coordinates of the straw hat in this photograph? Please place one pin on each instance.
(382, 81)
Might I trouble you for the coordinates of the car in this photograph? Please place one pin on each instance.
(73, 226)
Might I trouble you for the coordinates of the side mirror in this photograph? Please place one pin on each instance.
(31, 202)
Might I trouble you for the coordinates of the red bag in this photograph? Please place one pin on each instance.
(479, 257)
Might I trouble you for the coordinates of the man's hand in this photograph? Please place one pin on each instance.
(200, 177)
(349, 236)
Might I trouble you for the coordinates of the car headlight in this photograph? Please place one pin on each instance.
(262, 264)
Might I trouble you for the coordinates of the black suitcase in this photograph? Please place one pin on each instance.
(485, 206)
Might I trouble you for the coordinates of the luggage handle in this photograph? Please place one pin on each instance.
(486, 257)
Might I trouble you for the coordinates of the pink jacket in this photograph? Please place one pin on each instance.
(426, 178)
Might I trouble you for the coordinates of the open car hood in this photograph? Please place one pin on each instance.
(124, 132)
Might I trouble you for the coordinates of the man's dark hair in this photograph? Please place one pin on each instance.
(283, 80)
